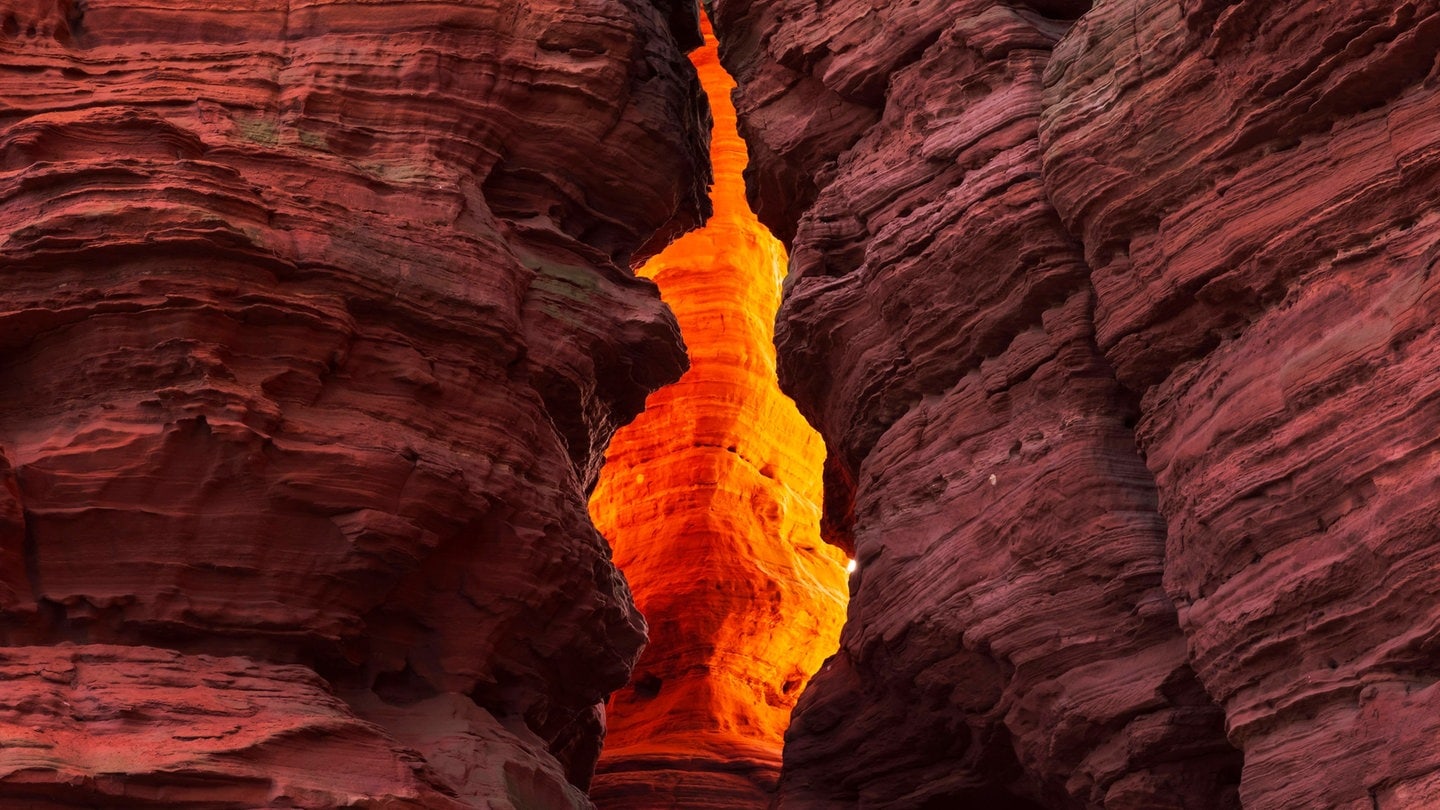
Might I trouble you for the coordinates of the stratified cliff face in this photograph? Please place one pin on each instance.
(1267, 283)
(711, 500)
(1084, 308)
(316, 315)
(1009, 642)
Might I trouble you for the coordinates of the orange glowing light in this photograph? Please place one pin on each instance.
(710, 500)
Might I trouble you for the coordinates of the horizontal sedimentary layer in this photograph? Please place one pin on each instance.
(1113, 321)
(317, 318)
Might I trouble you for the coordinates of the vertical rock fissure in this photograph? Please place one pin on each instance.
(711, 502)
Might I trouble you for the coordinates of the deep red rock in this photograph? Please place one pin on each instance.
(139, 726)
(1117, 323)
(1009, 643)
(316, 318)
(1267, 285)
(1214, 221)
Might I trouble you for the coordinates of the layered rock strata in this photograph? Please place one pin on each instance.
(1267, 285)
(1009, 641)
(1078, 304)
(316, 317)
(711, 501)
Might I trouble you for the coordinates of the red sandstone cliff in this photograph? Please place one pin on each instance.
(1267, 286)
(316, 316)
(1119, 333)
(1117, 323)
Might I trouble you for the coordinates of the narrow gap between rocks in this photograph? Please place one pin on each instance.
(711, 501)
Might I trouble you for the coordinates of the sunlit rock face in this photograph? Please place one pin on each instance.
(711, 501)
(1116, 323)
(314, 317)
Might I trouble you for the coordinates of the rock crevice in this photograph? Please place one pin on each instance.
(710, 499)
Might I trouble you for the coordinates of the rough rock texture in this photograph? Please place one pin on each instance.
(711, 501)
(1269, 286)
(1009, 643)
(1076, 304)
(140, 726)
(315, 317)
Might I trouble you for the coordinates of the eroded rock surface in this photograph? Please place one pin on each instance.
(1212, 222)
(316, 315)
(1009, 642)
(1266, 283)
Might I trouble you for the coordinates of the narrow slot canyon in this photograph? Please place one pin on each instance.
(711, 502)
(401, 407)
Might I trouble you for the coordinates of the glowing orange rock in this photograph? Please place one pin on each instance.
(711, 502)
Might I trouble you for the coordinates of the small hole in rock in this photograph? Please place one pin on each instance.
(647, 685)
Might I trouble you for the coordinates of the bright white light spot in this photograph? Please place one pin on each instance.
(992, 479)
(851, 566)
